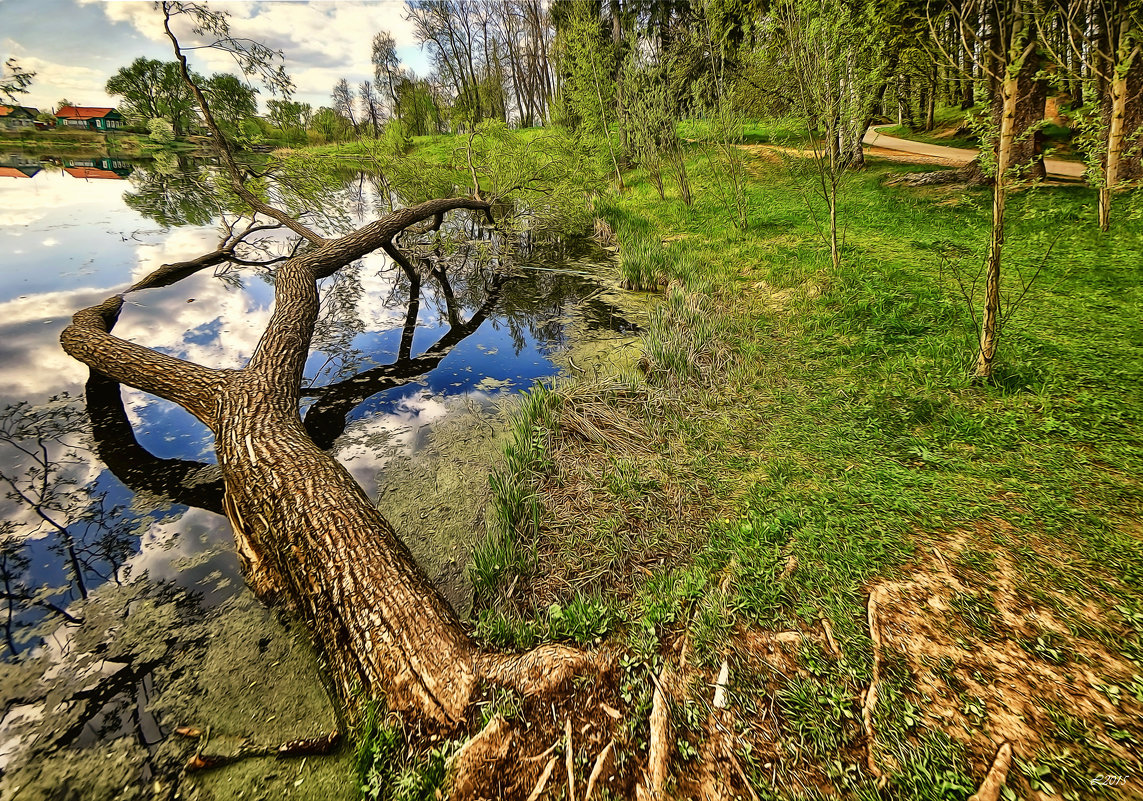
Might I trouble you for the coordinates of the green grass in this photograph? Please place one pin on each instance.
(788, 131)
(385, 769)
(829, 416)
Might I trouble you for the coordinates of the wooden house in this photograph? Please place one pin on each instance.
(95, 119)
(113, 169)
(18, 117)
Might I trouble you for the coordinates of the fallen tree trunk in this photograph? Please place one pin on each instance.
(306, 533)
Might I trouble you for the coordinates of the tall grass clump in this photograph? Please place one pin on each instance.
(380, 746)
(515, 514)
(680, 343)
(644, 264)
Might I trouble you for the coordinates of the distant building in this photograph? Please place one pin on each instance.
(17, 165)
(16, 117)
(113, 169)
(96, 119)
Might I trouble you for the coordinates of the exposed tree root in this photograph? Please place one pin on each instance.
(997, 774)
(828, 629)
(569, 759)
(597, 769)
(875, 597)
(538, 671)
(542, 784)
(789, 568)
(472, 765)
(505, 760)
(659, 747)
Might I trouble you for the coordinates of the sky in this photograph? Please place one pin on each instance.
(74, 46)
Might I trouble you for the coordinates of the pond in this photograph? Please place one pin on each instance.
(124, 614)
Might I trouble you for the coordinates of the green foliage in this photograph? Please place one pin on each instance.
(418, 107)
(644, 264)
(327, 125)
(397, 137)
(935, 770)
(232, 102)
(820, 713)
(151, 88)
(651, 120)
(728, 163)
(584, 619)
(386, 770)
(160, 131)
(547, 177)
(590, 60)
(379, 747)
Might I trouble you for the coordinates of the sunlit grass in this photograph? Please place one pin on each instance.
(828, 417)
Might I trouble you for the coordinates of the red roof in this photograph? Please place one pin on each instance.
(82, 112)
(91, 172)
(6, 110)
(12, 172)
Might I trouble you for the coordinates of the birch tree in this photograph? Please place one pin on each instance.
(1106, 38)
(1006, 52)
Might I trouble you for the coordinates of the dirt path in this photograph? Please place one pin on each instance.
(954, 156)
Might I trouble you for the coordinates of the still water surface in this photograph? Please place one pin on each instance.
(70, 236)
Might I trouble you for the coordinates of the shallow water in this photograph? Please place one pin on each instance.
(105, 527)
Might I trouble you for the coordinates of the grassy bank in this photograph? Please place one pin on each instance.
(64, 142)
(795, 440)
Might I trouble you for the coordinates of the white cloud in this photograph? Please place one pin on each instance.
(321, 41)
(80, 84)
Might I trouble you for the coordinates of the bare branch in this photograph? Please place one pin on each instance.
(223, 147)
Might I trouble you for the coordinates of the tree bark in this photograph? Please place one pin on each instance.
(1128, 54)
(990, 323)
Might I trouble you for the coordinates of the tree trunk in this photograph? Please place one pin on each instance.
(1114, 150)
(1116, 125)
(931, 100)
(834, 247)
(307, 532)
(990, 323)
